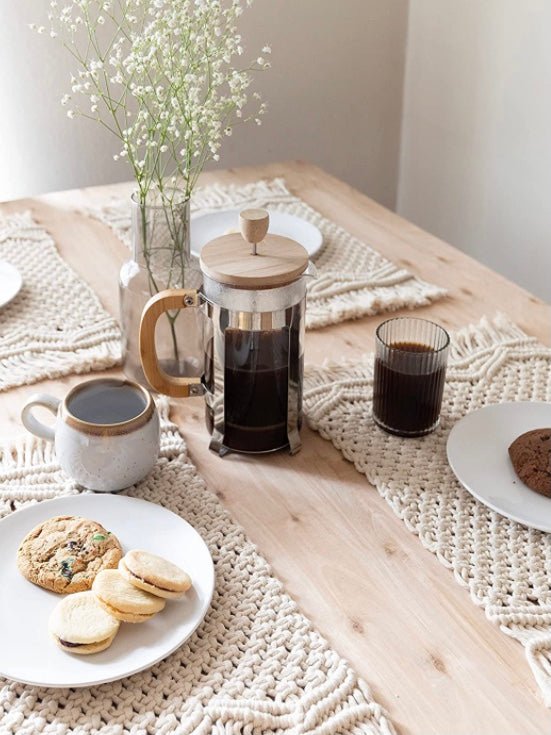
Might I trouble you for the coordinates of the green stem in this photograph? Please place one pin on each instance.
(175, 249)
(172, 320)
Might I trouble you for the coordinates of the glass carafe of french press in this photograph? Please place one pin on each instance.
(254, 300)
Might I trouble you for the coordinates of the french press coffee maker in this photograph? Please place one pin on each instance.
(253, 298)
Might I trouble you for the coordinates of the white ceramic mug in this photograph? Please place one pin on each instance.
(106, 432)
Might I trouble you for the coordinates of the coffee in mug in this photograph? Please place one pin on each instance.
(106, 432)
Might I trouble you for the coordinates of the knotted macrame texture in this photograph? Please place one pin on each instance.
(56, 324)
(255, 666)
(353, 279)
(505, 566)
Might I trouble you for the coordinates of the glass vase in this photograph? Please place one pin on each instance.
(160, 260)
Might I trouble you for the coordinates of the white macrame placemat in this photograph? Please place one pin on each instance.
(353, 279)
(56, 324)
(505, 566)
(254, 667)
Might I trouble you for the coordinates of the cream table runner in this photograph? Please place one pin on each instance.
(255, 666)
(353, 279)
(505, 566)
(55, 325)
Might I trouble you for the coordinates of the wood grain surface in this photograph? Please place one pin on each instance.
(277, 261)
(433, 660)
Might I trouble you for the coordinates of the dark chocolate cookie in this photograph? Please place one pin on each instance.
(531, 457)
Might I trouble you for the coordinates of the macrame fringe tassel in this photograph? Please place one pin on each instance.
(465, 343)
(538, 653)
(485, 335)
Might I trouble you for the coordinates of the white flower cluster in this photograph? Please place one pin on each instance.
(160, 75)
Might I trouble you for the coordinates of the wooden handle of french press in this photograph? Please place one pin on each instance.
(159, 380)
(254, 224)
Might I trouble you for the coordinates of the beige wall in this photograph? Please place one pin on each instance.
(476, 136)
(335, 95)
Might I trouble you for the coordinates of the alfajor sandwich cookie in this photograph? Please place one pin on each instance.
(79, 624)
(123, 600)
(154, 574)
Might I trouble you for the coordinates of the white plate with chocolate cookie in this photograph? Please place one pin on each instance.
(478, 453)
(32, 619)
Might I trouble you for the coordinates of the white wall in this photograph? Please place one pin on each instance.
(335, 95)
(476, 136)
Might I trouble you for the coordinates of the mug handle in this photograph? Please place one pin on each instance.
(162, 382)
(31, 423)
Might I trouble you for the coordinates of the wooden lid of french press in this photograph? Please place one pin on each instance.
(253, 259)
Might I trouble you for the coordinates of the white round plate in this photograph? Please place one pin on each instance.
(29, 655)
(478, 454)
(10, 282)
(206, 227)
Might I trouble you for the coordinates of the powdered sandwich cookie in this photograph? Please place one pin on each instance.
(154, 574)
(65, 553)
(123, 600)
(79, 624)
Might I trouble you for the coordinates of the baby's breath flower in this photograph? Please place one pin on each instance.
(167, 66)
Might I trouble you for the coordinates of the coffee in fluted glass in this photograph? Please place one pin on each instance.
(410, 370)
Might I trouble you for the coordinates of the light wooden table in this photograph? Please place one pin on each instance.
(387, 605)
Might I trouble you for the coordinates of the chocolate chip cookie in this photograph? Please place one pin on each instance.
(65, 553)
(530, 454)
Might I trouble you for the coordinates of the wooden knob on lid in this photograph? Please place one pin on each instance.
(254, 224)
(233, 259)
